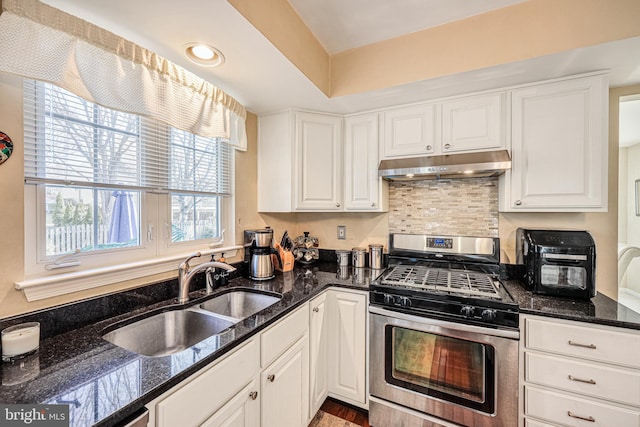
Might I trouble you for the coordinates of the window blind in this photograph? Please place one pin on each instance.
(71, 141)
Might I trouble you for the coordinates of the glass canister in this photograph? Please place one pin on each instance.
(375, 256)
(358, 256)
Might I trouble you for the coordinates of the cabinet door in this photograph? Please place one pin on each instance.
(559, 147)
(318, 162)
(243, 410)
(410, 131)
(285, 388)
(473, 123)
(362, 184)
(275, 163)
(347, 369)
(318, 342)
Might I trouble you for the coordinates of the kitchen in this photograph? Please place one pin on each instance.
(362, 228)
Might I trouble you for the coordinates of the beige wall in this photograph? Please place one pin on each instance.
(523, 31)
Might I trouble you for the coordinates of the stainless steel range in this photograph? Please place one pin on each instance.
(443, 336)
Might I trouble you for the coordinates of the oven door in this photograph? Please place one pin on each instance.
(460, 373)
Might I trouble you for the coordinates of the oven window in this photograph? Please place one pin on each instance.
(449, 368)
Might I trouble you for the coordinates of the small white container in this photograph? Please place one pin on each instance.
(19, 341)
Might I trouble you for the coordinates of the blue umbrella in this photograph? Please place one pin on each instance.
(124, 226)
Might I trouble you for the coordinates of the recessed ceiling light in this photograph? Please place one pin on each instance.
(204, 54)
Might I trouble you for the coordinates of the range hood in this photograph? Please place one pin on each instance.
(463, 165)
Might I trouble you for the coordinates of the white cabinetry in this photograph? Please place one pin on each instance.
(318, 162)
(470, 123)
(285, 388)
(473, 123)
(559, 147)
(577, 374)
(410, 131)
(347, 358)
(209, 394)
(364, 190)
(302, 165)
(243, 410)
(319, 350)
(285, 377)
(299, 162)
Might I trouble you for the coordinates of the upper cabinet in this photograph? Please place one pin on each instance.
(318, 162)
(304, 164)
(471, 123)
(559, 147)
(410, 131)
(364, 190)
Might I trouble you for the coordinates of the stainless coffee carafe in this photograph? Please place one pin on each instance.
(258, 248)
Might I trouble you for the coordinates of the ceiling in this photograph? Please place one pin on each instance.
(340, 25)
(263, 80)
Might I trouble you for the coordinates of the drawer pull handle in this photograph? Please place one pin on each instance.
(253, 395)
(271, 378)
(316, 309)
(589, 418)
(591, 346)
(572, 378)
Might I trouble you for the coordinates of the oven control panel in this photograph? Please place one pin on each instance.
(439, 243)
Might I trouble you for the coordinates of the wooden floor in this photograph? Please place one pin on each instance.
(346, 412)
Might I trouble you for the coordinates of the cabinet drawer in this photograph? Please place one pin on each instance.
(566, 409)
(620, 385)
(199, 399)
(609, 345)
(283, 334)
(533, 423)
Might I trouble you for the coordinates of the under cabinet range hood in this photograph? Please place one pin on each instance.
(463, 165)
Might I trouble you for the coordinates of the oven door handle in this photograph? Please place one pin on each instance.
(503, 333)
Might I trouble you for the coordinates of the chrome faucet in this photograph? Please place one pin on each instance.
(185, 274)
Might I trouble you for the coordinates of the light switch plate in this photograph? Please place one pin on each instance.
(342, 232)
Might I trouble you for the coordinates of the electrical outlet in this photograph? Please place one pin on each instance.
(342, 232)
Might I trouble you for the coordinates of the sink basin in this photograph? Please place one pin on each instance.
(239, 304)
(167, 333)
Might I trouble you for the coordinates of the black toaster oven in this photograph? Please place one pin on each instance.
(558, 262)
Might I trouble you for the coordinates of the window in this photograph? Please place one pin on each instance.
(115, 186)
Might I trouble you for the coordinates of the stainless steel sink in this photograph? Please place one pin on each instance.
(239, 304)
(168, 332)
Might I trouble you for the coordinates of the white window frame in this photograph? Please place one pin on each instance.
(155, 254)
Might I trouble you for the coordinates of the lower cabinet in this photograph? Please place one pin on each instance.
(243, 410)
(281, 376)
(319, 350)
(576, 374)
(347, 339)
(285, 388)
(210, 393)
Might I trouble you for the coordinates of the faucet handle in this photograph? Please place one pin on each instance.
(185, 263)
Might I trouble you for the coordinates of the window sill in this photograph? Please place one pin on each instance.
(46, 287)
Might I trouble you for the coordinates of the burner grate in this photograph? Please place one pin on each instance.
(455, 281)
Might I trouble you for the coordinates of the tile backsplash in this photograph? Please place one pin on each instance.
(448, 207)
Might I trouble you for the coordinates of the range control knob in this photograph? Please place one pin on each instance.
(389, 299)
(467, 311)
(405, 301)
(489, 315)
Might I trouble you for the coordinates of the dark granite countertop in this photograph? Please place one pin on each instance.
(105, 384)
(599, 310)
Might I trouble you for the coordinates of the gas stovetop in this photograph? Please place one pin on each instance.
(431, 278)
(451, 277)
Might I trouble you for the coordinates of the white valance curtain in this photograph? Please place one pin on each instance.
(40, 42)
